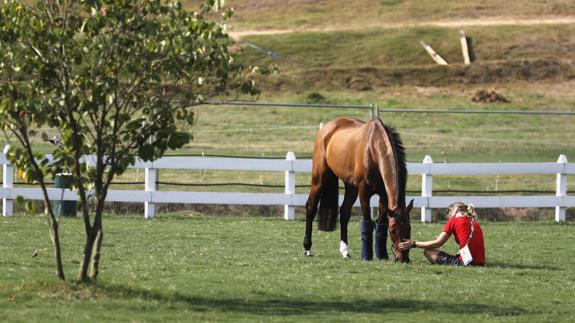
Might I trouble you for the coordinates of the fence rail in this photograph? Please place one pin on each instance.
(375, 110)
(150, 196)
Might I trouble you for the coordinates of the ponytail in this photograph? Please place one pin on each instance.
(466, 209)
(470, 211)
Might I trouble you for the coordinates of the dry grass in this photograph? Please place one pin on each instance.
(301, 14)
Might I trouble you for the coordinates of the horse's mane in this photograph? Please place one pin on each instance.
(400, 163)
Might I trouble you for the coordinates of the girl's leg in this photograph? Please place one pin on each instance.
(438, 257)
(431, 255)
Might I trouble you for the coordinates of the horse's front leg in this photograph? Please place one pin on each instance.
(381, 227)
(311, 210)
(344, 215)
(366, 225)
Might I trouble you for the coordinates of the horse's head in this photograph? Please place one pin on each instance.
(400, 230)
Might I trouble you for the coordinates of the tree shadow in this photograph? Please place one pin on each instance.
(278, 305)
(522, 266)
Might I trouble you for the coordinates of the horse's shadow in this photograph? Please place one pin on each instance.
(266, 304)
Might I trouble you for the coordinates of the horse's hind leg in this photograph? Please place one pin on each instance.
(344, 215)
(310, 212)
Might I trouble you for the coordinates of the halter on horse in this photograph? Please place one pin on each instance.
(369, 158)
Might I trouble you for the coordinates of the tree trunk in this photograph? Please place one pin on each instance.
(87, 258)
(53, 225)
(54, 234)
(94, 237)
(94, 270)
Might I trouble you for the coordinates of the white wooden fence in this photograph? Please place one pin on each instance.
(290, 166)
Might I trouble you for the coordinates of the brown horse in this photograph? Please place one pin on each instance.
(370, 159)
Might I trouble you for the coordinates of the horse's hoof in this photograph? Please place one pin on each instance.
(308, 253)
(346, 256)
(344, 250)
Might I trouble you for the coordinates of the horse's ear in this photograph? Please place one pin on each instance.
(410, 206)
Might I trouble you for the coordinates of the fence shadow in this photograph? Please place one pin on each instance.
(277, 305)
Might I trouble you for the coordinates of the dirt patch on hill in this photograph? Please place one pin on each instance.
(489, 96)
(369, 78)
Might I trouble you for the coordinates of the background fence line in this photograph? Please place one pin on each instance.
(150, 196)
(376, 110)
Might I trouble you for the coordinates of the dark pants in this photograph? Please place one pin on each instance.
(443, 258)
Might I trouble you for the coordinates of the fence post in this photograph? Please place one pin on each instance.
(426, 190)
(561, 190)
(374, 111)
(8, 182)
(150, 186)
(289, 210)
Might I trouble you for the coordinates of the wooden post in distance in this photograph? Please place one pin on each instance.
(464, 48)
(438, 59)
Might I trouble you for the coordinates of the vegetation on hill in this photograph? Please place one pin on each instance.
(272, 14)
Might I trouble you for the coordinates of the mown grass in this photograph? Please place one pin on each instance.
(272, 132)
(252, 269)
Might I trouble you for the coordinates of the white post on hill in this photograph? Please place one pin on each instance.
(8, 182)
(426, 190)
(464, 48)
(561, 190)
(289, 210)
(150, 186)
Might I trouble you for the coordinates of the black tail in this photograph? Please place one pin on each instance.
(328, 205)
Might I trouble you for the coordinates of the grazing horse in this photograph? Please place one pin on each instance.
(369, 158)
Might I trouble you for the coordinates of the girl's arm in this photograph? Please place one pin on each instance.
(432, 244)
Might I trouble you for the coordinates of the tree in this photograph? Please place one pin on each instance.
(116, 78)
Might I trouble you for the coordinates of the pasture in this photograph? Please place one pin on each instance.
(188, 268)
(185, 267)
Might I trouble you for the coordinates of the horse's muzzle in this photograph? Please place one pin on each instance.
(402, 257)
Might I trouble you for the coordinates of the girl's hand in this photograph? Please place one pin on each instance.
(407, 244)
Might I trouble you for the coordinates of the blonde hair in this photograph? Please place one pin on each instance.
(466, 209)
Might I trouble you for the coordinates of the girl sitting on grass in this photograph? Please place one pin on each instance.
(467, 233)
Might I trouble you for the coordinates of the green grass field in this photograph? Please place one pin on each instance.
(176, 268)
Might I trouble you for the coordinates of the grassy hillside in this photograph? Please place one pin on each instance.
(398, 47)
(383, 58)
(532, 66)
